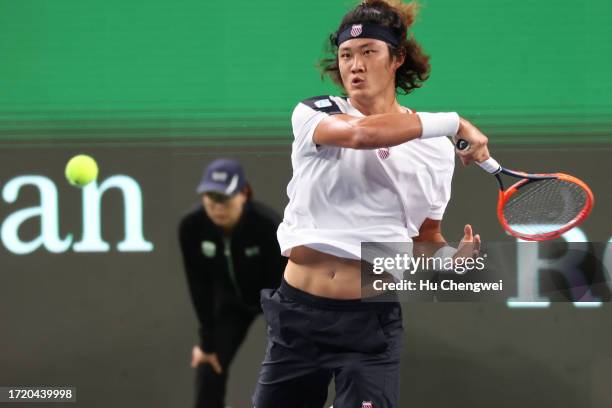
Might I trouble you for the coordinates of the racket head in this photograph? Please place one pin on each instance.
(542, 207)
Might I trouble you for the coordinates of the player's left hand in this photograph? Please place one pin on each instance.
(469, 247)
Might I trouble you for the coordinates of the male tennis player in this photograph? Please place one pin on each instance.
(364, 169)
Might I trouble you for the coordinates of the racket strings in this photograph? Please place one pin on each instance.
(544, 206)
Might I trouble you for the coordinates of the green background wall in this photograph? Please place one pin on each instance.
(202, 72)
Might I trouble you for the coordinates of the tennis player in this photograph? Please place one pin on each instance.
(365, 168)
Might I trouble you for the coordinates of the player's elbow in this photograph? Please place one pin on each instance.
(349, 134)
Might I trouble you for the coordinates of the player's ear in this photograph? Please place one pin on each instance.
(399, 60)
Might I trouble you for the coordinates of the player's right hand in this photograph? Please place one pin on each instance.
(477, 150)
(199, 357)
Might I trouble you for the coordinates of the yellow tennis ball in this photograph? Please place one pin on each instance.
(81, 170)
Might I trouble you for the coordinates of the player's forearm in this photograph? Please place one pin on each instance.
(430, 238)
(427, 245)
(203, 302)
(385, 130)
(392, 129)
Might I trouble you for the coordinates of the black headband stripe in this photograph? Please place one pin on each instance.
(374, 31)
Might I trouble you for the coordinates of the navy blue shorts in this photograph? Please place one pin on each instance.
(313, 339)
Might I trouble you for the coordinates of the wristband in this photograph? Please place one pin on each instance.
(438, 124)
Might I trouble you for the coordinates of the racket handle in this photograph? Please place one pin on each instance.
(490, 165)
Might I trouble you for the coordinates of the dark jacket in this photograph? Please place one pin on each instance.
(229, 269)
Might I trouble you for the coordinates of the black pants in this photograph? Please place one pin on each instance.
(231, 327)
(312, 339)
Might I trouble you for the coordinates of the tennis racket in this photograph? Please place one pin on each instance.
(538, 207)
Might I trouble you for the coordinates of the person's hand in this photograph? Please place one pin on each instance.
(199, 357)
(477, 151)
(469, 247)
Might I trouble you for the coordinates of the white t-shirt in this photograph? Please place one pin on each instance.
(340, 197)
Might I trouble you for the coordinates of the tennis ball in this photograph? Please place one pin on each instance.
(81, 170)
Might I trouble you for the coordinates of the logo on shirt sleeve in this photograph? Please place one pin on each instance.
(367, 404)
(323, 103)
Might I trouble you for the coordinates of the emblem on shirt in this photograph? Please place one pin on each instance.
(251, 251)
(323, 103)
(383, 152)
(367, 404)
(209, 249)
(356, 29)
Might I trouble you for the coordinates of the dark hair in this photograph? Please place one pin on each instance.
(248, 191)
(398, 17)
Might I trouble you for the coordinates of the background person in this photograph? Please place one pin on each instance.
(230, 252)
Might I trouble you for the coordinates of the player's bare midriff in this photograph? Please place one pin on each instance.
(324, 275)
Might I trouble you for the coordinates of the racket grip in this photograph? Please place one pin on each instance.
(490, 165)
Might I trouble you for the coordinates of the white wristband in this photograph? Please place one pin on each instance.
(438, 124)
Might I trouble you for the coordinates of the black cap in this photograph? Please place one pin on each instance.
(223, 176)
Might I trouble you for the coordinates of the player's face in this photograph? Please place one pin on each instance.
(223, 210)
(365, 67)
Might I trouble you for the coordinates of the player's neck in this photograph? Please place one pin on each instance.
(376, 105)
